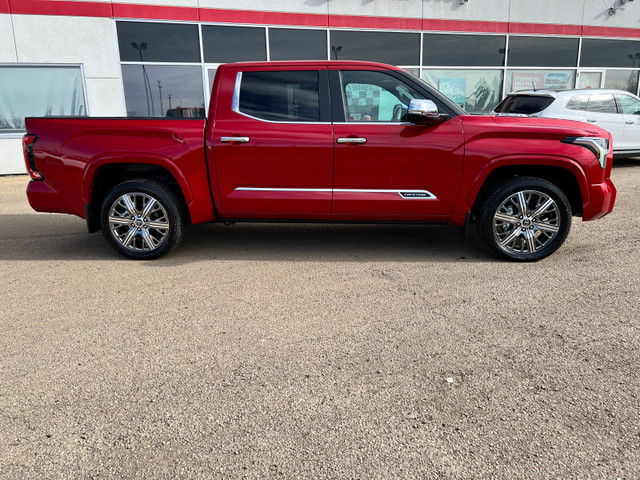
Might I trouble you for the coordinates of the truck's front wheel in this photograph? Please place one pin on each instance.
(142, 219)
(525, 219)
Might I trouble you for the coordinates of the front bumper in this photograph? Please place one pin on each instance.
(601, 201)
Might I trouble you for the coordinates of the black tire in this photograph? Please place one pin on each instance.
(514, 235)
(155, 226)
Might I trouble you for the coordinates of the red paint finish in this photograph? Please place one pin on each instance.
(70, 151)
(298, 171)
(545, 28)
(464, 26)
(385, 23)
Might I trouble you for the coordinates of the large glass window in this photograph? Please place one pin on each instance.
(542, 52)
(386, 47)
(463, 50)
(539, 79)
(375, 96)
(286, 96)
(622, 80)
(163, 91)
(476, 91)
(296, 44)
(38, 92)
(222, 44)
(610, 53)
(158, 42)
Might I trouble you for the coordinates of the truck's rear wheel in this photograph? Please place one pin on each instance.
(525, 219)
(142, 219)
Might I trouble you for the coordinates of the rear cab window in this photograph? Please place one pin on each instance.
(524, 104)
(280, 96)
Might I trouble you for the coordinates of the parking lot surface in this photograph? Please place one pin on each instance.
(318, 351)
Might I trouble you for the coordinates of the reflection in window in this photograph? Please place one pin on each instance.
(375, 96)
(288, 96)
(622, 80)
(222, 44)
(628, 105)
(297, 44)
(158, 42)
(542, 52)
(539, 79)
(163, 91)
(578, 102)
(386, 47)
(39, 92)
(610, 53)
(602, 104)
(476, 91)
(470, 50)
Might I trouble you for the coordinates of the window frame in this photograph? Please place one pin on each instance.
(20, 134)
(323, 96)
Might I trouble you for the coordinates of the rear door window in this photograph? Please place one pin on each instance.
(603, 103)
(579, 102)
(280, 96)
(524, 104)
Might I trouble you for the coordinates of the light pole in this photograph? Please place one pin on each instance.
(145, 78)
(161, 104)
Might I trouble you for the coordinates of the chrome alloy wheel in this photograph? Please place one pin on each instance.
(138, 222)
(526, 222)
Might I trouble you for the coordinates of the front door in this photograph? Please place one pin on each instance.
(630, 109)
(385, 167)
(274, 149)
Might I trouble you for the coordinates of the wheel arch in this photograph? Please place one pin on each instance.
(106, 175)
(560, 176)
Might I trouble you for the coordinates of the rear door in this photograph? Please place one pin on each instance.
(273, 142)
(386, 167)
(602, 111)
(630, 109)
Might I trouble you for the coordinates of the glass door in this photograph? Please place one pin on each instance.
(590, 78)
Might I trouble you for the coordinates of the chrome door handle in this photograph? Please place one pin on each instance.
(592, 120)
(351, 140)
(234, 139)
(630, 123)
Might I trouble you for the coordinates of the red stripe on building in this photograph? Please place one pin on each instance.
(610, 32)
(545, 29)
(127, 10)
(464, 26)
(266, 18)
(385, 23)
(47, 7)
(134, 11)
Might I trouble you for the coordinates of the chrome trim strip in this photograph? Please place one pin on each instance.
(235, 103)
(261, 189)
(405, 194)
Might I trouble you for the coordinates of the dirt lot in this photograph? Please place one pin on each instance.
(315, 351)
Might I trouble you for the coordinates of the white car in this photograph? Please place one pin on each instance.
(616, 111)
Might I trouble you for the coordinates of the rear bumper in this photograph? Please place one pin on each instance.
(602, 199)
(44, 198)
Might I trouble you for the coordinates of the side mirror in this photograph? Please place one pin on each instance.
(425, 112)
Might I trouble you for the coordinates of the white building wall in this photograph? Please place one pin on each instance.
(92, 42)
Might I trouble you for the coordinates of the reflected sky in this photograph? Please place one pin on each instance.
(180, 86)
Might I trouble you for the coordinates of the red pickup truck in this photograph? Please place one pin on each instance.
(322, 141)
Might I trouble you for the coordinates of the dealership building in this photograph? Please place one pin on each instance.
(146, 58)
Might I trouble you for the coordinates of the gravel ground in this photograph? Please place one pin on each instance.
(318, 351)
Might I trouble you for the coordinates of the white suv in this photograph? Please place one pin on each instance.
(614, 110)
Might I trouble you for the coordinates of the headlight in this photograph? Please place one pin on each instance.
(599, 146)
